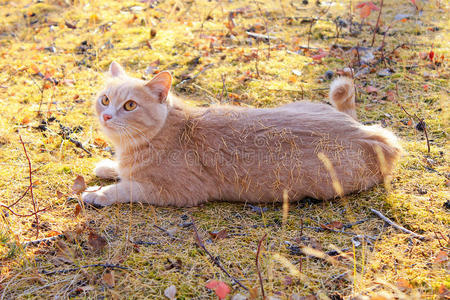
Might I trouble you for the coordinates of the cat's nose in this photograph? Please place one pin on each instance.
(106, 117)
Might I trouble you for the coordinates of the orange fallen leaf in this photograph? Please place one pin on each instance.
(333, 225)
(25, 121)
(444, 292)
(403, 284)
(108, 278)
(441, 257)
(219, 287)
(218, 235)
(35, 68)
(77, 210)
(52, 233)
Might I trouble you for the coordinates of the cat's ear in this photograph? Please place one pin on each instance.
(115, 70)
(160, 85)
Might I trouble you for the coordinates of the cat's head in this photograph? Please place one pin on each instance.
(130, 106)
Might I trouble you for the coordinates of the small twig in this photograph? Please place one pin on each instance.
(419, 120)
(267, 28)
(195, 76)
(65, 271)
(395, 225)
(35, 206)
(377, 25)
(21, 197)
(359, 57)
(23, 216)
(257, 265)
(223, 88)
(165, 231)
(349, 225)
(79, 145)
(215, 260)
(45, 241)
(145, 243)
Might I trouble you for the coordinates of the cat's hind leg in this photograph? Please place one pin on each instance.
(107, 169)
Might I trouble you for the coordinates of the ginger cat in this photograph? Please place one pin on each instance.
(172, 155)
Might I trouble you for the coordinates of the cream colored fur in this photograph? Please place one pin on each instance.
(172, 155)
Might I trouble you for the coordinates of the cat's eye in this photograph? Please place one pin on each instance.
(130, 105)
(105, 100)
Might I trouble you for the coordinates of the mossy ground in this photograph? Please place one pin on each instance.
(171, 35)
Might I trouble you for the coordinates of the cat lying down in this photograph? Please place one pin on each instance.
(172, 155)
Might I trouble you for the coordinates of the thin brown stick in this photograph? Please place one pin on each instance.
(65, 271)
(395, 225)
(377, 25)
(35, 205)
(44, 241)
(23, 216)
(215, 260)
(419, 120)
(257, 266)
(267, 27)
(223, 88)
(20, 198)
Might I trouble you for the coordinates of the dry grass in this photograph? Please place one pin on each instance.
(184, 30)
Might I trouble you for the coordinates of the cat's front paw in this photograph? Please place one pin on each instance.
(107, 169)
(95, 196)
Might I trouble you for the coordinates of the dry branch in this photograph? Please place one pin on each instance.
(43, 241)
(395, 225)
(215, 260)
(257, 266)
(35, 206)
(65, 271)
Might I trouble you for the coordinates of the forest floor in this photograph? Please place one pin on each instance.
(53, 59)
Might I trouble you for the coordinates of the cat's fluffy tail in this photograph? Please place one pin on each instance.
(342, 95)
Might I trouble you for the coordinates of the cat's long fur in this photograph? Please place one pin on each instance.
(172, 155)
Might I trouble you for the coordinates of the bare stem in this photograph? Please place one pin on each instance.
(257, 266)
(35, 206)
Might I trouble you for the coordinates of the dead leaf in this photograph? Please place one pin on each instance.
(254, 292)
(108, 278)
(403, 284)
(332, 226)
(444, 292)
(219, 235)
(52, 233)
(219, 287)
(366, 8)
(59, 194)
(170, 292)
(97, 242)
(390, 95)
(79, 185)
(35, 68)
(77, 210)
(441, 257)
(64, 253)
(25, 121)
(371, 89)
(174, 264)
